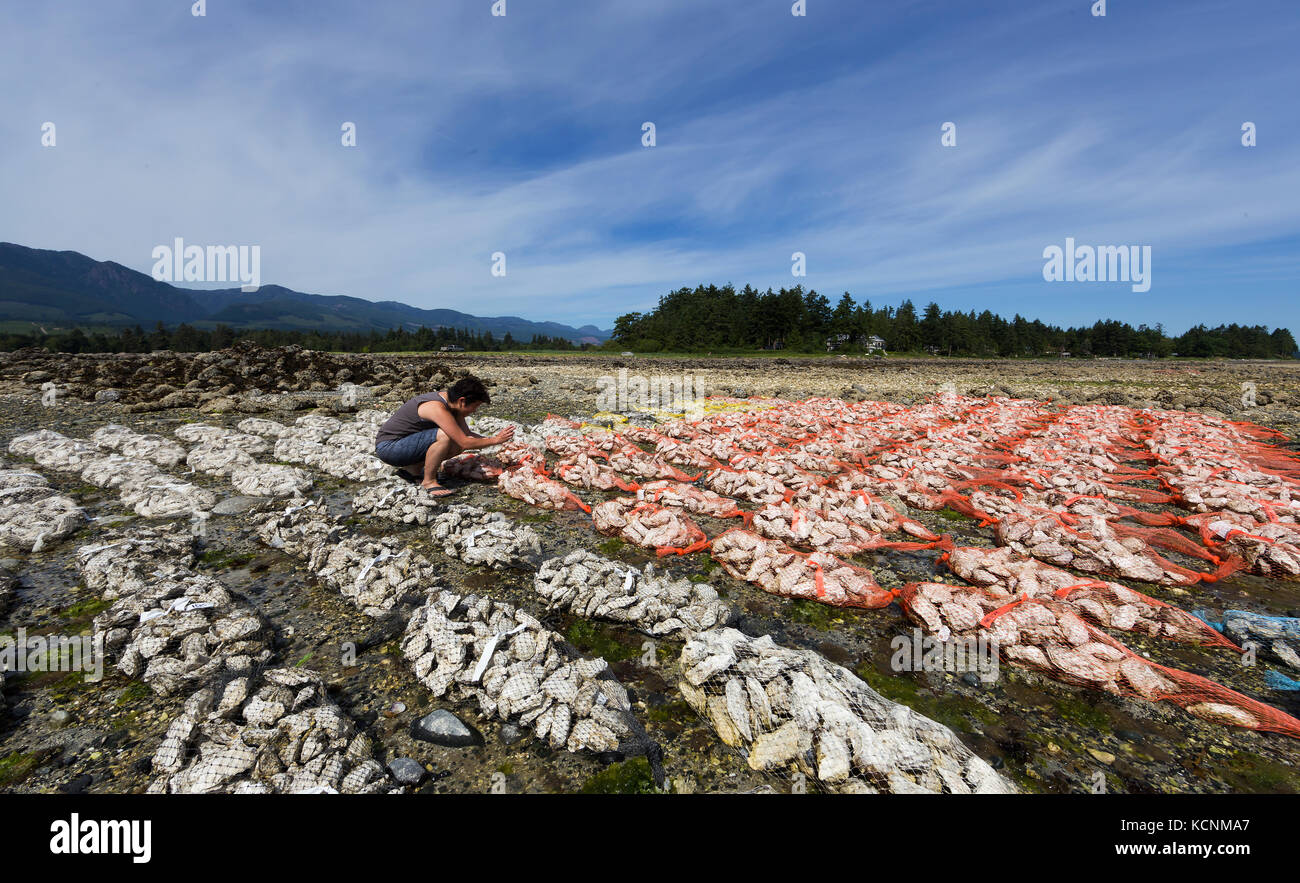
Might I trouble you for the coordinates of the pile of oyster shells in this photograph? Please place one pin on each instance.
(273, 732)
(477, 536)
(117, 471)
(525, 435)
(299, 528)
(165, 497)
(245, 729)
(589, 585)
(332, 459)
(400, 502)
(262, 480)
(138, 446)
(204, 433)
(471, 647)
(138, 482)
(1092, 546)
(377, 576)
(214, 458)
(32, 514)
(177, 628)
(792, 707)
(54, 450)
(127, 562)
(262, 426)
(467, 647)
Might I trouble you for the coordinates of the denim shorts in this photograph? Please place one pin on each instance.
(406, 451)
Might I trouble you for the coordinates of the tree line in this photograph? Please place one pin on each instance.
(185, 338)
(722, 319)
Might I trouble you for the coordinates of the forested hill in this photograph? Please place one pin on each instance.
(712, 318)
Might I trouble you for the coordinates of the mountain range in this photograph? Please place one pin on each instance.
(66, 288)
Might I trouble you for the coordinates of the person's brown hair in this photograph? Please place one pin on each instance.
(471, 389)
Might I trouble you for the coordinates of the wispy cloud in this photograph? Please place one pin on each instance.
(775, 134)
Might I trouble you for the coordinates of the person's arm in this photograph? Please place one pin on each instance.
(448, 424)
(465, 428)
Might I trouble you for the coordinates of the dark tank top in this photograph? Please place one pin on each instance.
(406, 420)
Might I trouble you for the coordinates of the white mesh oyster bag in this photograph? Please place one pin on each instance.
(273, 732)
(518, 671)
(594, 587)
(792, 712)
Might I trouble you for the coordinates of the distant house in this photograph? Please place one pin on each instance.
(452, 348)
(835, 341)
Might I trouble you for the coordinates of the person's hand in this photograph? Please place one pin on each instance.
(504, 435)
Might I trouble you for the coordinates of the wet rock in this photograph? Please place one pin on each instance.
(77, 785)
(407, 770)
(441, 727)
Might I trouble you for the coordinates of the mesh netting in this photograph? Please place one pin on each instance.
(792, 711)
(1049, 636)
(642, 523)
(779, 570)
(477, 536)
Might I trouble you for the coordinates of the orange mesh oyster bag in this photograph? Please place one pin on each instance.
(779, 570)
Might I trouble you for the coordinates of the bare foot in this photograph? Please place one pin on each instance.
(436, 489)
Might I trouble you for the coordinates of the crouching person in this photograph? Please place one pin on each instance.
(429, 428)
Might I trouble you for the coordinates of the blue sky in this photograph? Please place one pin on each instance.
(776, 134)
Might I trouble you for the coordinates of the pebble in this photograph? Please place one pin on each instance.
(971, 679)
(407, 770)
(441, 727)
(1103, 756)
(59, 717)
(510, 734)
